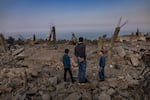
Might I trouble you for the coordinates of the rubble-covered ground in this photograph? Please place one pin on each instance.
(35, 72)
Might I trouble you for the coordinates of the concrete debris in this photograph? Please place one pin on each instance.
(18, 51)
(73, 96)
(134, 60)
(111, 91)
(104, 96)
(35, 72)
(120, 51)
(53, 80)
(46, 97)
(20, 56)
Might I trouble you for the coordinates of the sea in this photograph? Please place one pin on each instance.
(59, 36)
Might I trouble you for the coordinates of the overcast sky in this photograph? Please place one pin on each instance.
(73, 15)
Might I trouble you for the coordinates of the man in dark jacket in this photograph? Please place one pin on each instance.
(67, 65)
(80, 53)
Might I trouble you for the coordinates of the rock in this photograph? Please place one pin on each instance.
(124, 93)
(111, 91)
(46, 96)
(5, 89)
(19, 97)
(104, 96)
(53, 80)
(129, 77)
(73, 96)
(32, 71)
(104, 87)
(93, 84)
(95, 97)
(18, 51)
(84, 86)
(120, 51)
(132, 83)
(87, 96)
(20, 56)
(113, 84)
(60, 86)
(122, 85)
(134, 60)
(51, 88)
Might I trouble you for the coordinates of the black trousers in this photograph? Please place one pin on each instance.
(65, 73)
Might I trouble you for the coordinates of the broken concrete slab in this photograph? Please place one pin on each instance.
(111, 91)
(104, 96)
(18, 51)
(73, 96)
(84, 86)
(134, 60)
(94, 84)
(46, 97)
(60, 86)
(53, 80)
(120, 51)
(20, 56)
(86, 96)
(5, 89)
(32, 71)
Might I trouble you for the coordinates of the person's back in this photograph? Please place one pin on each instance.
(102, 61)
(80, 50)
(66, 61)
(80, 53)
(67, 65)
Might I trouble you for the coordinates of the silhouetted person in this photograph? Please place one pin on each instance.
(34, 38)
(53, 35)
(137, 33)
(74, 39)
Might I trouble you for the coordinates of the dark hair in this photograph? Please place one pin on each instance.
(102, 51)
(80, 39)
(66, 50)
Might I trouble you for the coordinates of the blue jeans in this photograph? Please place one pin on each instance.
(82, 72)
(101, 74)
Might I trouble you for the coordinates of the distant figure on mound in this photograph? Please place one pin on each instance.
(67, 65)
(73, 39)
(80, 53)
(101, 65)
(52, 36)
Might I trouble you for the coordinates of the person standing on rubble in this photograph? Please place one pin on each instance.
(67, 65)
(101, 65)
(80, 53)
(53, 36)
(74, 39)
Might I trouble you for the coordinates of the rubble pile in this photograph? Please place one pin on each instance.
(36, 73)
(145, 82)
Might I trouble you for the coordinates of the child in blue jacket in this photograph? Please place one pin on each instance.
(101, 65)
(67, 65)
